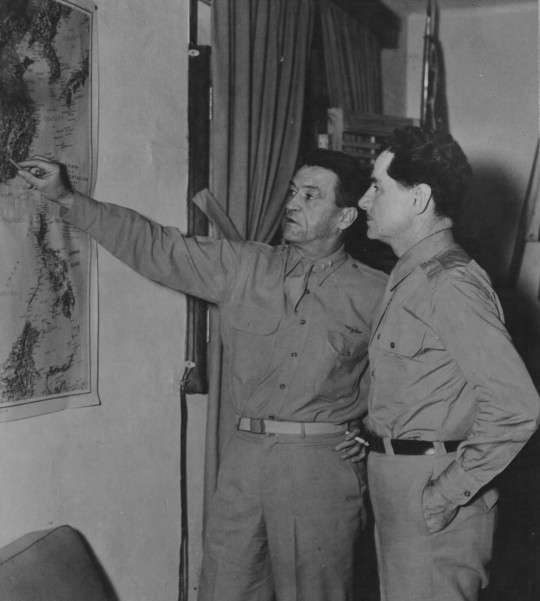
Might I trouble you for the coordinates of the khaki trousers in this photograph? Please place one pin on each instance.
(284, 521)
(415, 565)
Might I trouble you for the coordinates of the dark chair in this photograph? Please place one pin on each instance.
(52, 565)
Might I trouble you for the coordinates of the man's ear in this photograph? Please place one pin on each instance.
(348, 217)
(422, 196)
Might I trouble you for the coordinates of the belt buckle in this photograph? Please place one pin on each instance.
(430, 450)
(256, 426)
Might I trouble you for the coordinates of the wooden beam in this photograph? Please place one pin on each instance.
(376, 17)
(199, 169)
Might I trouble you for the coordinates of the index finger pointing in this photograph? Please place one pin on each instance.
(28, 177)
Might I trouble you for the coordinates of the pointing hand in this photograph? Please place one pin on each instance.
(48, 177)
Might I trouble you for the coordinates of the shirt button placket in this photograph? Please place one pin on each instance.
(302, 331)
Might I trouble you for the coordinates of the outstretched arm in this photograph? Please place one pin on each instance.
(202, 267)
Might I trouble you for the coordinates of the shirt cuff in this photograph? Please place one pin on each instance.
(456, 485)
(71, 215)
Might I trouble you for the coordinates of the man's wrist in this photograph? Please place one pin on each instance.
(456, 485)
(66, 200)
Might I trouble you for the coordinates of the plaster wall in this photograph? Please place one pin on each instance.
(113, 471)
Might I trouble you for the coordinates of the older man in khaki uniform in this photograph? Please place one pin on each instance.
(451, 402)
(296, 321)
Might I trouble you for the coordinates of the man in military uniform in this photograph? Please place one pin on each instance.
(451, 402)
(295, 324)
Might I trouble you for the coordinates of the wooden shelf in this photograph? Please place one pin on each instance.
(361, 134)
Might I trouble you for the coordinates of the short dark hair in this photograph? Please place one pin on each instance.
(352, 183)
(433, 158)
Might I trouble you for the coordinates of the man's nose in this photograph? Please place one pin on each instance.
(291, 203)
(365, 201)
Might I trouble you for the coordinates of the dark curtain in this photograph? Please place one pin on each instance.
(352, 62)
(260, 50)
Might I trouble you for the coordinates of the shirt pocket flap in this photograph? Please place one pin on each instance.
(405, 338)
(256, 321)
(347, 345)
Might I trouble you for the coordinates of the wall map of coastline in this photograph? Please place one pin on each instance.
(48, 271)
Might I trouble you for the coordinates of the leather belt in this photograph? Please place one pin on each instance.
(274, 426)
(403, 446)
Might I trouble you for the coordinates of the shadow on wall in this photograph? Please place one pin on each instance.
(488, 229)
(515, 573)
(489, 219)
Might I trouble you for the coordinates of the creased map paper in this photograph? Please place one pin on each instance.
(48, 270)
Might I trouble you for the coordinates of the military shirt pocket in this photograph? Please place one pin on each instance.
(341, 363)
(253, 340)
(404, 338)
(344, 345)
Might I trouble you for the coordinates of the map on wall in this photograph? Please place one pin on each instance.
(48, 270)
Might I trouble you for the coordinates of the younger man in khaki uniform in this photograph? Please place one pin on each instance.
(451, 402)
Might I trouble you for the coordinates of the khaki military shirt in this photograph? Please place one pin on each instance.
(443, 366)
(296, 333)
